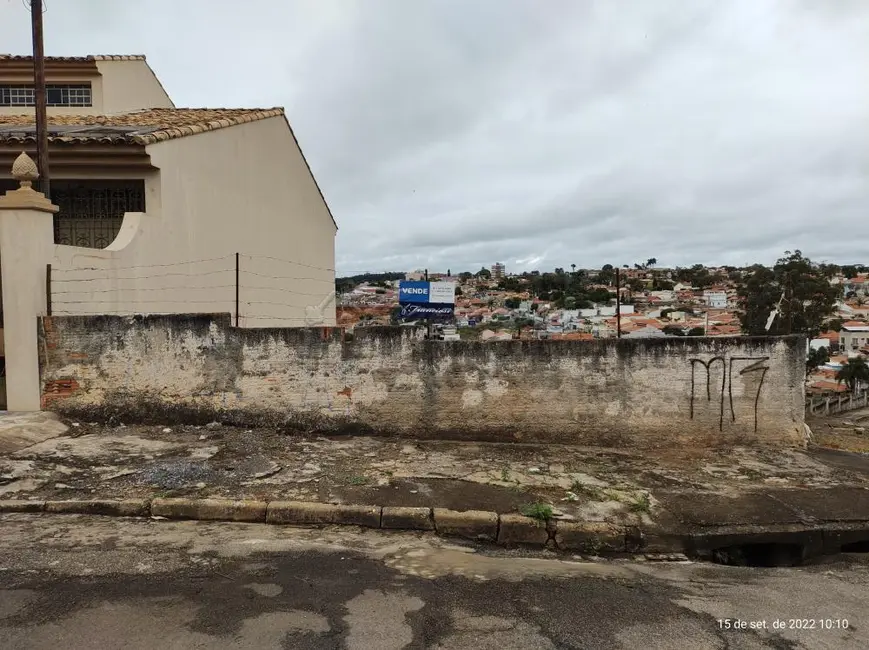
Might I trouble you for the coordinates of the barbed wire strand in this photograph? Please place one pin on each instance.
(217, 286)
(146, 277)
(170, 289)
(141, 266)
(282, 277)
(141, 302)
(122, 312)
(279, 259)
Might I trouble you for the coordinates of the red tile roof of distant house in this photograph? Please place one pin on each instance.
(826, 385)
(573, 336)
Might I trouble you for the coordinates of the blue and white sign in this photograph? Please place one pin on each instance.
(427, 311)
(413, 292)
(427, 292)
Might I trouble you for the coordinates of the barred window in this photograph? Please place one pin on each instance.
(55, 95)
(91, 211)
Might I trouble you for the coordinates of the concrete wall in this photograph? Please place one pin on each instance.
(386, 380)
(242, 189)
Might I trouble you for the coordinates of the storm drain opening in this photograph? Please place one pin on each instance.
(860, 546)
(769, 554)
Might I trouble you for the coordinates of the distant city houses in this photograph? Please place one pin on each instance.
(580, 304)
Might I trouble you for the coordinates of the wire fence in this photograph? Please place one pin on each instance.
(252, 288)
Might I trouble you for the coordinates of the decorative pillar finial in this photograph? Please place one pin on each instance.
(24, 170)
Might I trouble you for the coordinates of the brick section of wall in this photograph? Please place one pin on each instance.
(198, 368)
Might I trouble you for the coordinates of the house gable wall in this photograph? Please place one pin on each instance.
(243, 189)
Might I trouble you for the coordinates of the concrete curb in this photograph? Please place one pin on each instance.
(588, 537)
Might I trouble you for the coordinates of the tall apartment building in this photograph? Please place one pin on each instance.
(498, 271)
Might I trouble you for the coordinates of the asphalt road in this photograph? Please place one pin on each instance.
(93, 583)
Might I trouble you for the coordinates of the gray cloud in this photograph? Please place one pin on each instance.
(451, 134)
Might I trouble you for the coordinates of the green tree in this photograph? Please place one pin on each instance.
(673, 330)
(804, 297)
(484, 273)
(697, 276)
(512, 303)
(606, 274)
(636, 285)
(854, 373)
(600, 295)
(834, 325)
(651, 262)
(464, 276)
(697, 331)
(817, 357)
(849, 271)
(459, 291)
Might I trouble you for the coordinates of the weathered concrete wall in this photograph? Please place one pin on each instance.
(387, 380)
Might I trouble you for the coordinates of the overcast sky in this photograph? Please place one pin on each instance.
(457, 133)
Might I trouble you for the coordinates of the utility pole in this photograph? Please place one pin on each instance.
(428, 324)
(40, 99)
(618, 307)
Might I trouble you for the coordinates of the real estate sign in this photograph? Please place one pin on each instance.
(428, 311)
(429, 300)
(427, 292)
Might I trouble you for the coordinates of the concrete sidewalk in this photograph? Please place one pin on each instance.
(720, 494)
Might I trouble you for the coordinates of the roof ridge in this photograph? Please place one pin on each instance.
(158, 124)
(87, 57)
(179, 131)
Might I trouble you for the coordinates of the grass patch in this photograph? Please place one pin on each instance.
(592, 492)
(641, 504)
(539, 511)
(357, 480)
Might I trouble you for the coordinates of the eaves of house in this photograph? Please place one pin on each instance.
(120, 140)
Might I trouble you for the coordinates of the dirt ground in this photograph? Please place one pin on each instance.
(847, 431)
(88, 460)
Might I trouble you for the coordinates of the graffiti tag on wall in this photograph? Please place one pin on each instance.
(725, 387)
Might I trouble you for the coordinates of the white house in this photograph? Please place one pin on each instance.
(161, 207)
(853, 336)
(153, 209)
(715, 299)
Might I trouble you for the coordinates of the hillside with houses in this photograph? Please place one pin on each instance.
(586, 304)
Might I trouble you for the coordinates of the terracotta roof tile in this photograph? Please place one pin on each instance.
(136, 127)
(89, 57)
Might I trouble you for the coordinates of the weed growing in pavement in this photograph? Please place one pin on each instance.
(357, 480)
(539, 511)
(505, 475)
(641, 504)
(592, 492)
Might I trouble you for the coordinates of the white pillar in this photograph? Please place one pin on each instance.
(26, 247)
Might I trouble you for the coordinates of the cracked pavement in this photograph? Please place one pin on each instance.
(52, 459)
(81, 582)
